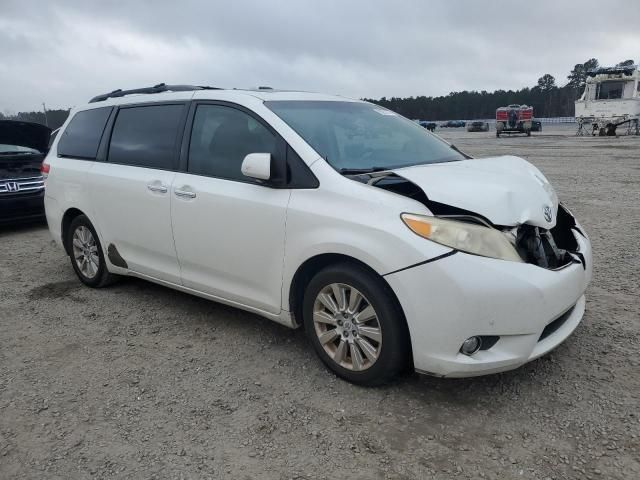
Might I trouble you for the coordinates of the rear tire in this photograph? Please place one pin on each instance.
(356, 325)
(85, 252)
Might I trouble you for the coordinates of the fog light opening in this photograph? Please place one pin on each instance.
(471, 345)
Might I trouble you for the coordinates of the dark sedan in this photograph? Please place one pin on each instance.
(536, 125)
(23, 146)
(453, 124)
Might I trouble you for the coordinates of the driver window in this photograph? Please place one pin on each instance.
(220, 139)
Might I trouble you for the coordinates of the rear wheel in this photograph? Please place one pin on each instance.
(355, 325)
(86, 254)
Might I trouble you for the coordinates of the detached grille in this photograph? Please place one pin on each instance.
(18, 186)
(555, 325)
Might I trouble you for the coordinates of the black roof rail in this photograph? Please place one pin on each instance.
(161, 87)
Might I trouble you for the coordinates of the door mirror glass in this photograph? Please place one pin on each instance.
(257, 165)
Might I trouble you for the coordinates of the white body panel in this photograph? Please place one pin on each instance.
(506, 190)
(242, 243)
(133, 208)
(447, 301)
(230, 239)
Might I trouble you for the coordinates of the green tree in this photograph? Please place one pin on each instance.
(546, 82)
(578, 76)
(626, 63)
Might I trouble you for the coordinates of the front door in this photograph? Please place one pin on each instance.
(229, 230)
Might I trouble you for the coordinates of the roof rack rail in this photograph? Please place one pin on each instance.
(161, 87)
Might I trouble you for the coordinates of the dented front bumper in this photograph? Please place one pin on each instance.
(462, 295)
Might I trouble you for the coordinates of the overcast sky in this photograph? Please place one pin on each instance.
(63, 52)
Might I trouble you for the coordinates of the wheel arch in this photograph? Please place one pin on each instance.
(313, 265)
(67, 218)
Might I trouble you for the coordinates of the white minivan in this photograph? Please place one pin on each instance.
(391, 247)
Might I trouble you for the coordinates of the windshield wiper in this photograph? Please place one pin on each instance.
(453, 147)
(359, 171)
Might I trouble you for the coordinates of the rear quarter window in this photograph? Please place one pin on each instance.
(82, 136)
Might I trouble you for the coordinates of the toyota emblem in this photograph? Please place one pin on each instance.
(548, 213)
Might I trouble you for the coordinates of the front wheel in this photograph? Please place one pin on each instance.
(86, 254)
(356, 325)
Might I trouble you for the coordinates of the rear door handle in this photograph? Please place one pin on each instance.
(157, 187)
(184, 193)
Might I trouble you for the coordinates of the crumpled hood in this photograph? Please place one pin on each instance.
(506, 190)
(25, 134)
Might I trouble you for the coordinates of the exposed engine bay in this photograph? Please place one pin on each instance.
(553, 248)
(547, 248)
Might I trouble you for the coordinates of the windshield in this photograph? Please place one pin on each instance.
(361, 136)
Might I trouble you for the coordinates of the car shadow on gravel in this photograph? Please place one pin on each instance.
(194, 310)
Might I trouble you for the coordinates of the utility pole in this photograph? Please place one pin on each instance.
(46, 120)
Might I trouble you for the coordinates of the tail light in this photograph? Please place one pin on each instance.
(44, 169)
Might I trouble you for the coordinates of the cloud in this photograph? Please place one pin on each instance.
(65, 52)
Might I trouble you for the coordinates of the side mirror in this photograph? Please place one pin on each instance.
(257, 165)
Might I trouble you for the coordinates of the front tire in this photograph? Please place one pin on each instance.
(86, 254)
(355, 325)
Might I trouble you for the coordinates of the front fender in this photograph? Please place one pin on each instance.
(365, 229)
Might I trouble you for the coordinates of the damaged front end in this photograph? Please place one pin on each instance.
(551, 248)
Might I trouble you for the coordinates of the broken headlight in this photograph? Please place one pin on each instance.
(466, 237)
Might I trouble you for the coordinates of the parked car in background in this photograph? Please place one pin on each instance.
(431, 126)
(536, 125)
(453, 124)
(392, 248)
(23, 146)
(477, 126)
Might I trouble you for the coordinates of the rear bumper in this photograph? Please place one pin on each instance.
(452, 299)
(21, 207)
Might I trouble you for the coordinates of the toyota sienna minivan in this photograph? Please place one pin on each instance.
(392, 248)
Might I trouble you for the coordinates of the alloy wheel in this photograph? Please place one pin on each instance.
(347, 326)
(85, 252)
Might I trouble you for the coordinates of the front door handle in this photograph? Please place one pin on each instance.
(158, 188)
(184, 193)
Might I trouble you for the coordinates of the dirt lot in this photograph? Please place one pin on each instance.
(138, 381)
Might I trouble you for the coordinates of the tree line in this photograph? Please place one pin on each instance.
(546, 98)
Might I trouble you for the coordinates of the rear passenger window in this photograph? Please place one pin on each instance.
(82, 136)
(222, 137)
(146, 136)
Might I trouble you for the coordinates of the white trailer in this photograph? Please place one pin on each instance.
(611, 98)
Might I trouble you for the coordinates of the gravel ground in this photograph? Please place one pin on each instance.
(138, 381)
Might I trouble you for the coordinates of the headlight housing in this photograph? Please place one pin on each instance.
(466, 237)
